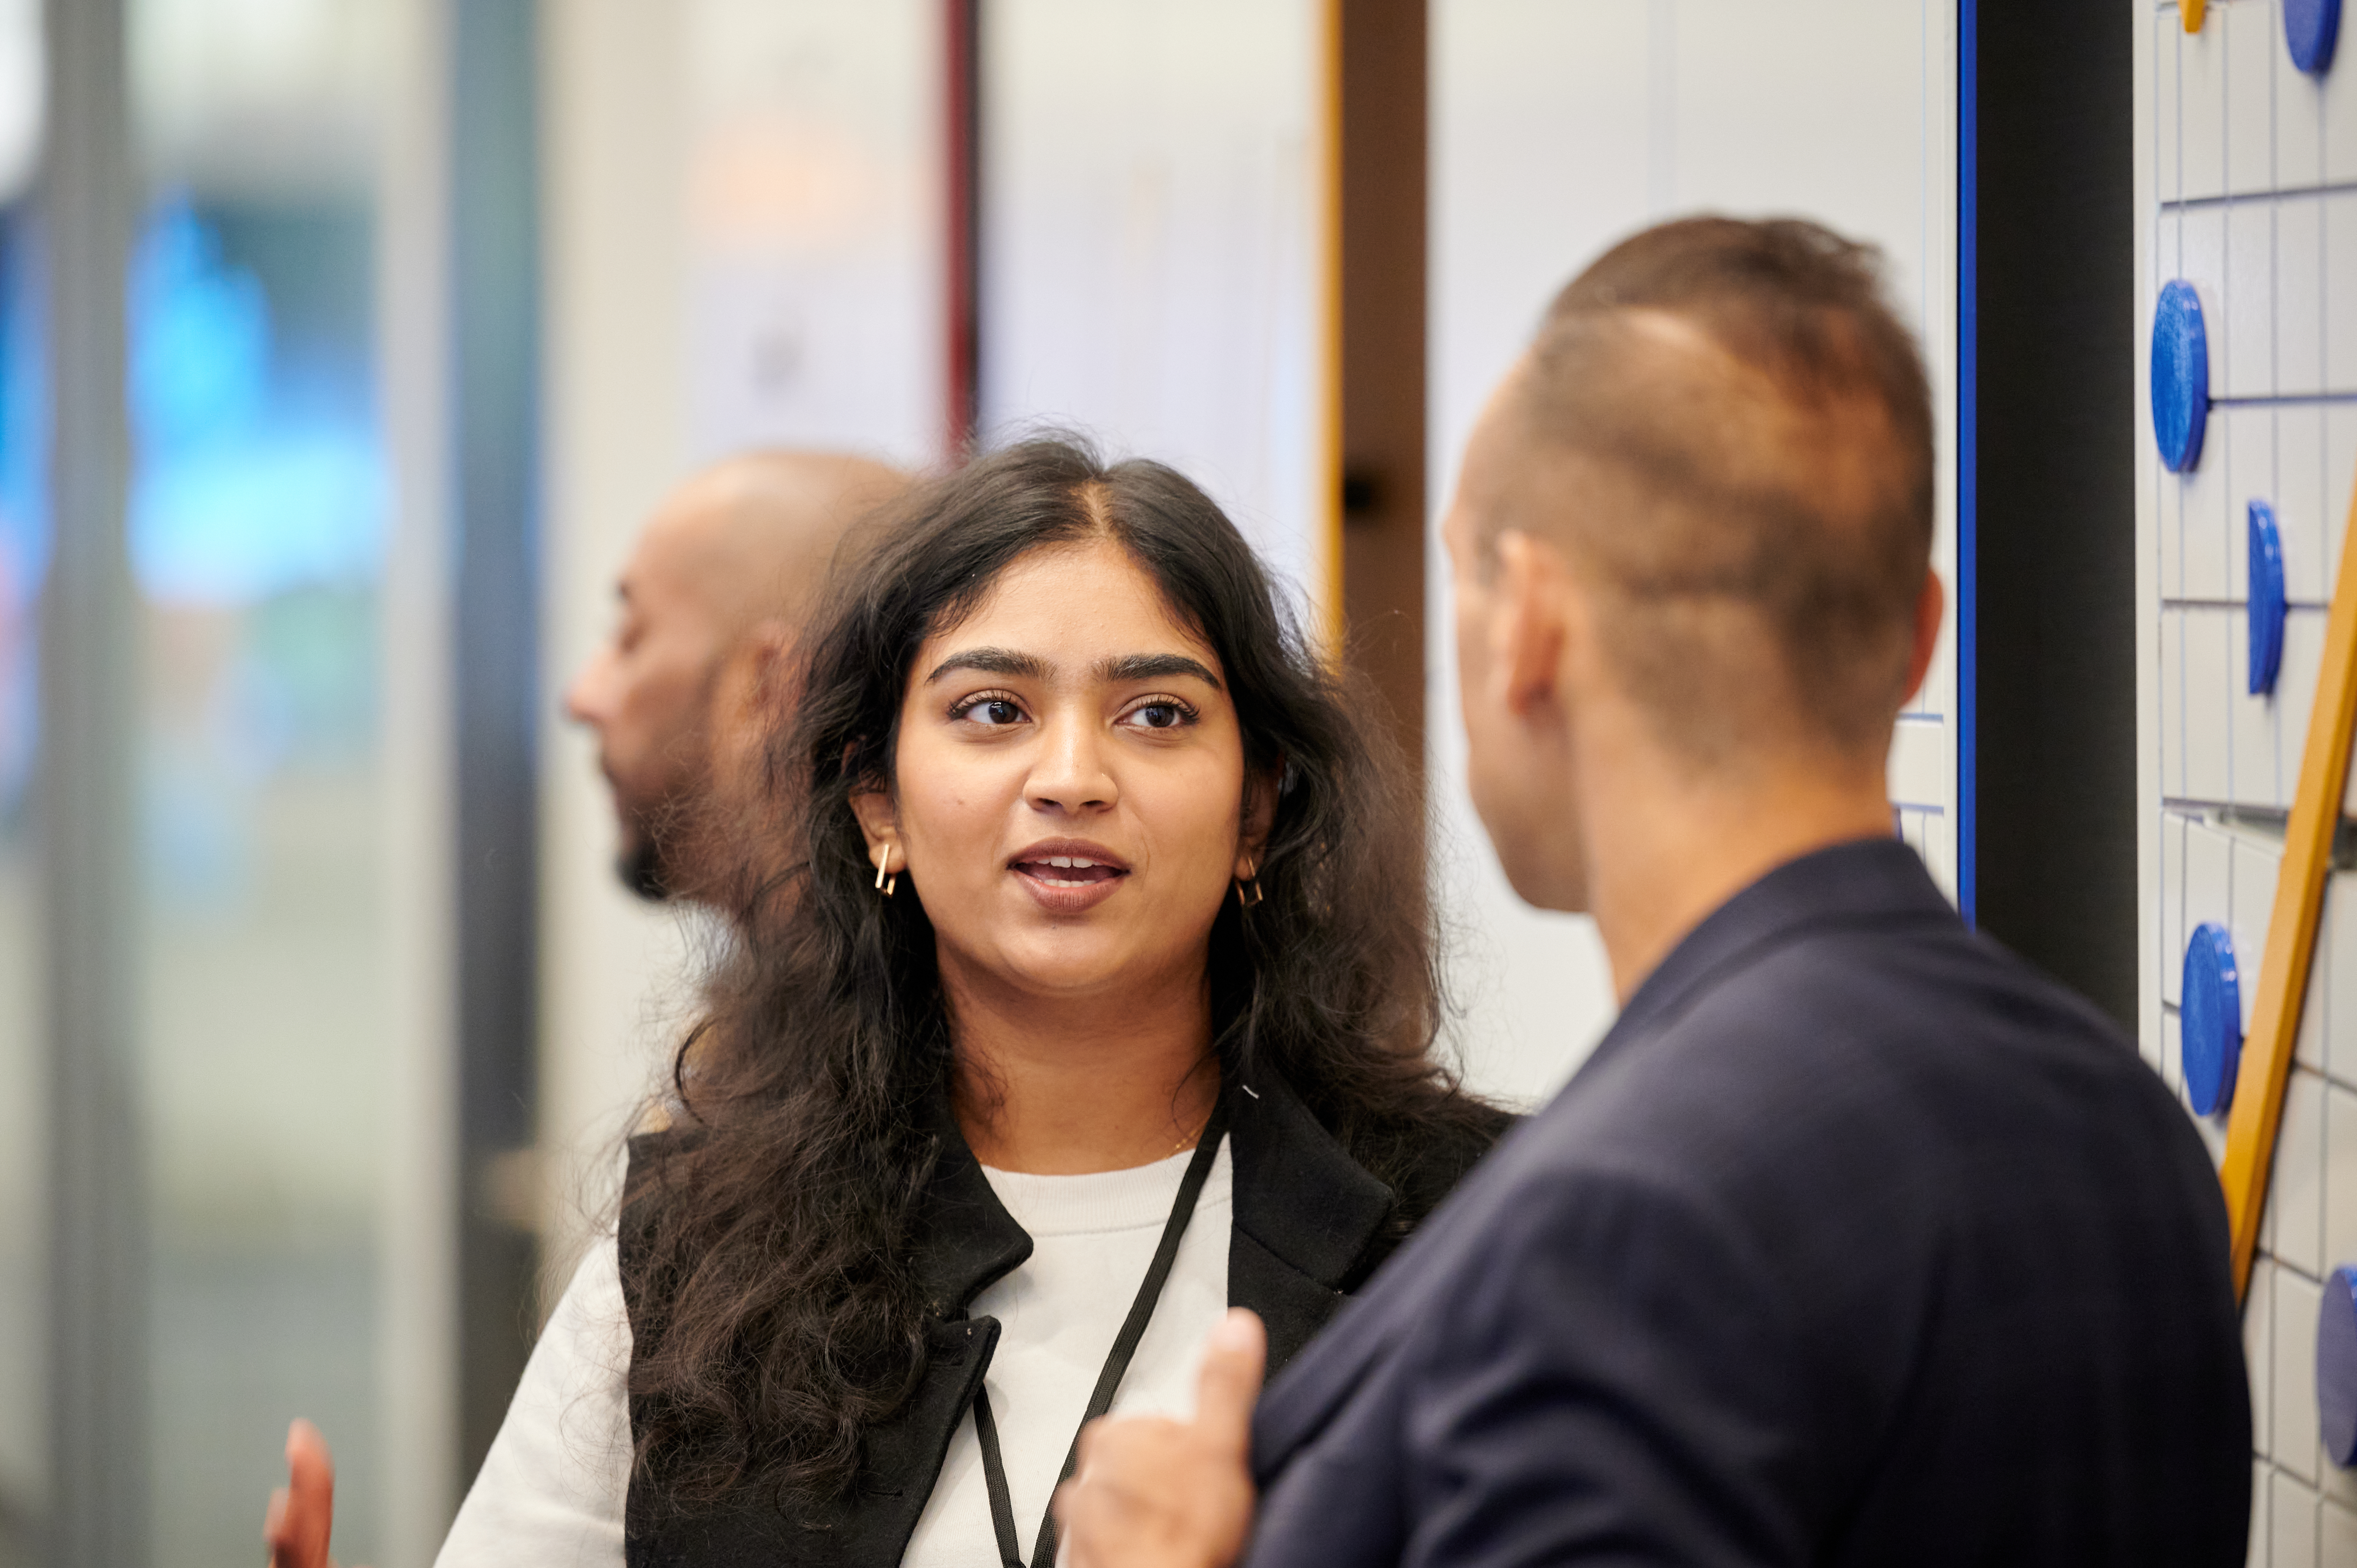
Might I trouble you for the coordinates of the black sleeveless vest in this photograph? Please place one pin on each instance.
(1310, 1225)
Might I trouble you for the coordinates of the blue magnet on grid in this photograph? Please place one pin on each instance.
(2181, 375)
(2266, 599)
(2310, 29)
(2336, 1366)
(2210, 1019)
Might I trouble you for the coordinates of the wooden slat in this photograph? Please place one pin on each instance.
(2291, 930)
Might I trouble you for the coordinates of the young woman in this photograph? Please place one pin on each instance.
(1103, 1001)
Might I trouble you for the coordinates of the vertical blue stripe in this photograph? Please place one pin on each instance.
(1967, 449)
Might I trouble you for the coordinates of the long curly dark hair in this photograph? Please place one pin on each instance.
(773, 1223)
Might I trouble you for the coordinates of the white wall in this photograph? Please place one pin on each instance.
(1559, 127)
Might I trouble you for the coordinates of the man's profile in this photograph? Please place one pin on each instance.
(1855, 1241)
(711, 603)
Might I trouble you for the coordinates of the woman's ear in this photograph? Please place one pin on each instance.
(879, 825)
(1259, 817)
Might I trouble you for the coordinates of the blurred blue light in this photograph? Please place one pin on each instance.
(244, 489)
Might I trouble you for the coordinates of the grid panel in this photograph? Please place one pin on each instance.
(2249, 191)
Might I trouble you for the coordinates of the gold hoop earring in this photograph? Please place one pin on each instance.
(886, 885)
(1248, 890)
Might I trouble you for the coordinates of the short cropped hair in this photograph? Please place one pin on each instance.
(1747, 395)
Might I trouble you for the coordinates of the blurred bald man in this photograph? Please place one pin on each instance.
(712, 601)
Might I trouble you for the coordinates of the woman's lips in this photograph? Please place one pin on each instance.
(1066, 885)
(1068, 871)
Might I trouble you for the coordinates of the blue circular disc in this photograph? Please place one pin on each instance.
(2335, 1368)
(2210, 1019)
(2180, 376)
(2266, 599)
(2310, 29)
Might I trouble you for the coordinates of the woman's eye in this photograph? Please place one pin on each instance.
(994, 712)
(1159, 715)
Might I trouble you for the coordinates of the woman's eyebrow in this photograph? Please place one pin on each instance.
(992, 661)
(1154, 667)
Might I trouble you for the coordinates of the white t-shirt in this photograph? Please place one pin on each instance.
(552, 1489)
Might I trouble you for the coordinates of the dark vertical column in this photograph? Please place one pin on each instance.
(495, 356)
(1382, 98)
(98, 1241)
(2054, 493)
(961, 225)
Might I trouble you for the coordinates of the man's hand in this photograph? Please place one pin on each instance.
(303, 1511)
(1152, 1493)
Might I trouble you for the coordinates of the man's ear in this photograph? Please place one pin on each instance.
(1931, 605)
(1530, 626)
(753, 682)
(1259, 817)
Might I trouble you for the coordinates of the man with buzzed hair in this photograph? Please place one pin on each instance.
(1856, 1241)
(711, 603)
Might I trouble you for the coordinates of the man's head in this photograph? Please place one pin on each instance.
(1694, 522)
(711, 602)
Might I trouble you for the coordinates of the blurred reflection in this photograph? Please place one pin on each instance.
(257, 520)
(24, 552)
(23, 557)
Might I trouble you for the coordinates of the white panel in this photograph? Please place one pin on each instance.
(2214, 521)
(2201, 262)
(2258, 1349)
(2337, 1536)
(1150, 262)
(2173, 928)
(812, 209)
(2252, 38)
(2256, 1556)
(2171, 491)
(2337, 1246)
(2173, 775)
(2256, 865)
(2299, 295)
(2310, 529)
(2291, 1529)
(2165, 135)
(2338, 949)
(2202, 97)
(2339, 477)
(2308, 1044)
(2296, 1191)
(2339, 264)
(2208, 888)
(2249, 359)
(2303, 657)
(2257, 779)
(2338, 91)
(1920, 768)
(2295, 1445)
(2207, 499)
(2299, 125)
(2208, 743)
(2246, 439)
(2172, 1047)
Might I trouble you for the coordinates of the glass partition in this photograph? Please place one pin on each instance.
(257, 518)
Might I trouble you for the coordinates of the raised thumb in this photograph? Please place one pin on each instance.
(1234, 1356)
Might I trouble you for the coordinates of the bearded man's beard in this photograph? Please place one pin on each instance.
(643, 867)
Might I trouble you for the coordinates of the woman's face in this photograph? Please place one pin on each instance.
(1070, 779)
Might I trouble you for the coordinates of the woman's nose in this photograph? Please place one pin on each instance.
(1071, 774)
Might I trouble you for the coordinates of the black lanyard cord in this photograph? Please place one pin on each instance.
(1124, 1345)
